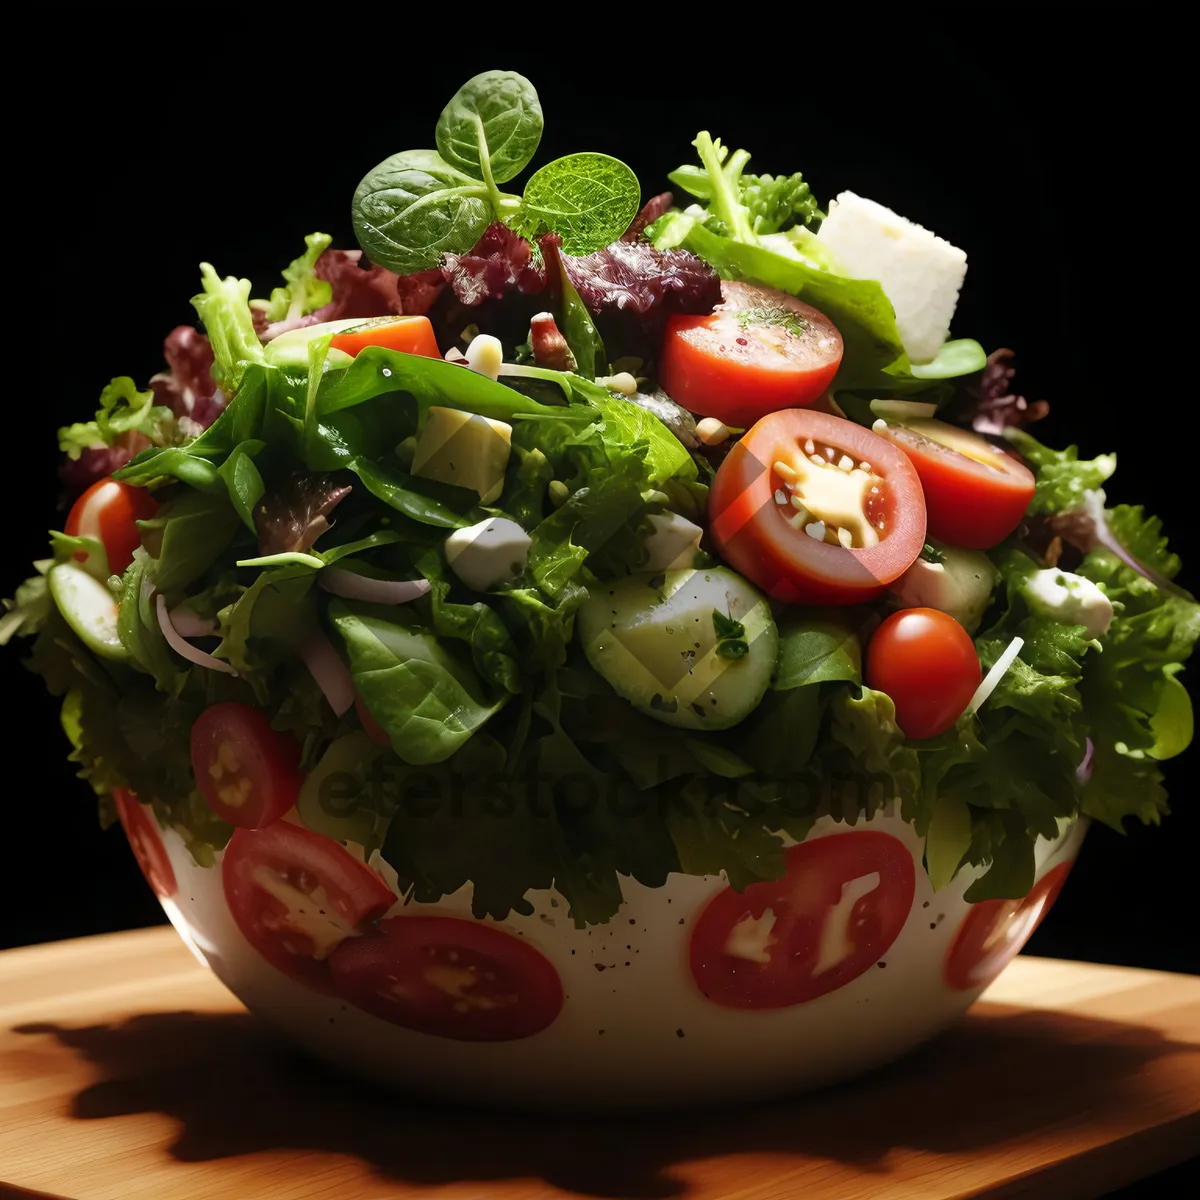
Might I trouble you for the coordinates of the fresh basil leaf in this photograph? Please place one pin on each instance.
(491, 126)
(413, 207)
(242, 478)
(587, 199)
(419, 688)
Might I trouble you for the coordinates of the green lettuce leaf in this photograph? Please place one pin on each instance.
(224, 307)
(303, 292)
(123, 409)
(1062, 476)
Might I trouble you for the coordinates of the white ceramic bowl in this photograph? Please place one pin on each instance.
(885, 965)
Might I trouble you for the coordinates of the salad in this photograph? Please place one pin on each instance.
(551, 538)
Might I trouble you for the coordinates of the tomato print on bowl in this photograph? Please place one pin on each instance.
(837, 908)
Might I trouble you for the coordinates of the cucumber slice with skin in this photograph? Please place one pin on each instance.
(652, 638)
(291, 349)
(88, 607)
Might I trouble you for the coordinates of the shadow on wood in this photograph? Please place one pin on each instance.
(1004, 1074)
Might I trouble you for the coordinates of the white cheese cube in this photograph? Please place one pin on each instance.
(675, 542)
(488, 554)
(920, 272)
(961, 585)
(1071, 599)
(464, 449)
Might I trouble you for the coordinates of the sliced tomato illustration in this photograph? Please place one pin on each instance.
(297, 895)
(146, 842)
(994, 931)
(838, 907)
(449, 977)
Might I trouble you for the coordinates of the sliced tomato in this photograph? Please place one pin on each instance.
(795, 553)
(840, 904)
(412, 335)
(297, 895)
(247, 772)
(994, 931)
(975, 493)
(108, 511)
(146, 842)
(759, 351)
(371, 727)
(449, 977)
(926, 662)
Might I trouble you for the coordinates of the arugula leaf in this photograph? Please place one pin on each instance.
(427, 696)
(123, 409)
(1062, 477)
(304, 292)
(491, 127)
(588, 199)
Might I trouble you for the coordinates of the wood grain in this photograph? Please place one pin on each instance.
(128, 1073)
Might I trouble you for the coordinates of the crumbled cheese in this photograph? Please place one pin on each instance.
(485, 355)
(1071, 599)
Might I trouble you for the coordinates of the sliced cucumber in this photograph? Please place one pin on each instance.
(88, 607)
(332, 801)
(652, 637)
(291, 349)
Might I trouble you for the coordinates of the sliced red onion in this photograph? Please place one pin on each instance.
(1083, 772)
(350, 586)
(1093, 505)
(189, 624)
(186, 649)
(332, 675)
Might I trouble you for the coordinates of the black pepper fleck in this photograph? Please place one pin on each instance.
(926, 904)
(600, 966)
(681, 920)
(679, 1033)
(932, 924)
(881, 964)
(632, 921)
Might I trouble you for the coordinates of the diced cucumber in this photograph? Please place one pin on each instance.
(331, 801)
(291, 349)
(653, 638)
(88, 607)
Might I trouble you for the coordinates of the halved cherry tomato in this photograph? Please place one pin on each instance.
(759, 351)
(107, 511)
(297, 895)
(975, 493)
(412, 335)
(450, 977)
(841, 903)
(247, 772)
(994, 931)
(926, 662)
(795, 553)
(146, 843)
(371, 727)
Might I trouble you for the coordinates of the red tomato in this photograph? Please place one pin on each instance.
(759, 351)
(975, 494)
(449, 977)
(247, 772)
(146, 843)
(412, 335)
(841, 903)
(994, 931)
(107, 511)
(371, 727)
(760, 532)
(926, 662)
(296, 895)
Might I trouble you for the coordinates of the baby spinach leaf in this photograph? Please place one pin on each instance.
(413, 207)
(816, 650)
(243, 480)
(421, 689)
(491, 126)
(189, 533)
(588, 199)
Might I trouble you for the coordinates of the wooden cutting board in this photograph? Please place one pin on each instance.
(127, 1072)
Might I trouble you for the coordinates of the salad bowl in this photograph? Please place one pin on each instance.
(580, 652)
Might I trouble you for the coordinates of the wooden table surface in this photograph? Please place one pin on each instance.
(127, 1072)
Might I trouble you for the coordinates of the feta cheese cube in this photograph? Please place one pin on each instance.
(1071, 599)
(488, 553)
(921, 273)
(464, 449)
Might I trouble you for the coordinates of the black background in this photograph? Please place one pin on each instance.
(1028, 137)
